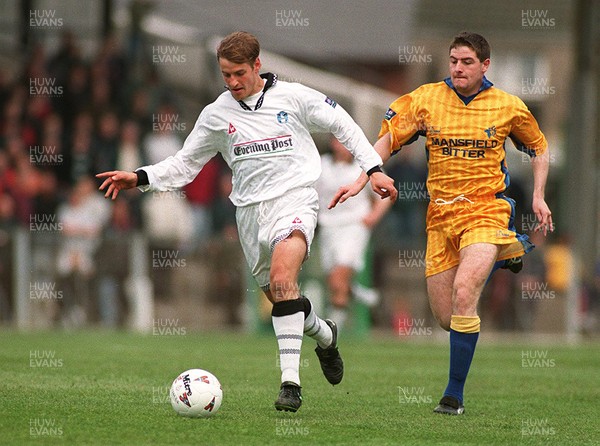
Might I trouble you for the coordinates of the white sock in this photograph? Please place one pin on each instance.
(288, 330)
(317, 328)
(339, 315)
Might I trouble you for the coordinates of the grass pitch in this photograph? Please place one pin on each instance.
(112, 388)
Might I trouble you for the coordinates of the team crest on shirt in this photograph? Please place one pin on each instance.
(297, 221)
(491, 131)
(282, 117)
(231, 129)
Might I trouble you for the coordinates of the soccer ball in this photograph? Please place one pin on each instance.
(196, 393)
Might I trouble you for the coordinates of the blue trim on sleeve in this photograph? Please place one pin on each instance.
(523, 238)
(522, 147)
(410, 140)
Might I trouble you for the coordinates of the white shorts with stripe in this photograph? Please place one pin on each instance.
(261, 226)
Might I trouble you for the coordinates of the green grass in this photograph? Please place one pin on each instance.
(111, 388)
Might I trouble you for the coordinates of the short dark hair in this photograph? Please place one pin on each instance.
(239, 47)
(474, 41)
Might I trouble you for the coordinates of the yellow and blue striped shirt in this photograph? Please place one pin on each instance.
(465, 136)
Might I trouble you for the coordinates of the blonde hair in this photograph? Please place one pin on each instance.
(239, 47)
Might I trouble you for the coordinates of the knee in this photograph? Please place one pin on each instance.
(465, 298)
(338, 283)
(444, 321)
(283, 286)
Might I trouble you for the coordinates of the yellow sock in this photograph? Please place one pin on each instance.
(465, 324)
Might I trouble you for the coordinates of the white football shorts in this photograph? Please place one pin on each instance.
(261, 226)
(343, 245)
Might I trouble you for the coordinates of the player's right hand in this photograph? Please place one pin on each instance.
(383, 186)
(117, 180)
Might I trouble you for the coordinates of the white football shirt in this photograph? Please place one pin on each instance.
(270, 150)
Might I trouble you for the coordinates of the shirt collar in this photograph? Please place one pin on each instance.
(466, 99)
(271, 80)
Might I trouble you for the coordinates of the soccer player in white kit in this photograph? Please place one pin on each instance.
(261, 127)
(344, 231)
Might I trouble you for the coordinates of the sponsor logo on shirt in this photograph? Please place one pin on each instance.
(463, 147)
(330, 101)
(267, 146)
(389, 114)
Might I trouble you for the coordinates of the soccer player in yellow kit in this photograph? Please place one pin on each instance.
(470, 231)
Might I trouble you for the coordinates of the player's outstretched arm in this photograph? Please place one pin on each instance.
(382, 181)
(349, 190)
(117, 180)
(540, 165)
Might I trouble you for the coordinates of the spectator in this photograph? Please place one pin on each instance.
(344, 231)
(226, 255)
(201, 194)
(82, 218)
(106, 140)
(76, 94)
(7, 222)
(80, 161)
(112, 272)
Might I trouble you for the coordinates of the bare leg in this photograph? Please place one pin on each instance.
(340, 285)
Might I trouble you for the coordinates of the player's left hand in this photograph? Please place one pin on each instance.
(383, 186)
(345, 192)
(115, 181)
(543, 215)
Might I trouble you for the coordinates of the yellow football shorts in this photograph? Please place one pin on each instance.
(452, 225)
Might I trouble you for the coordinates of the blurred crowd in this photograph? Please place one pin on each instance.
(66, 118)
